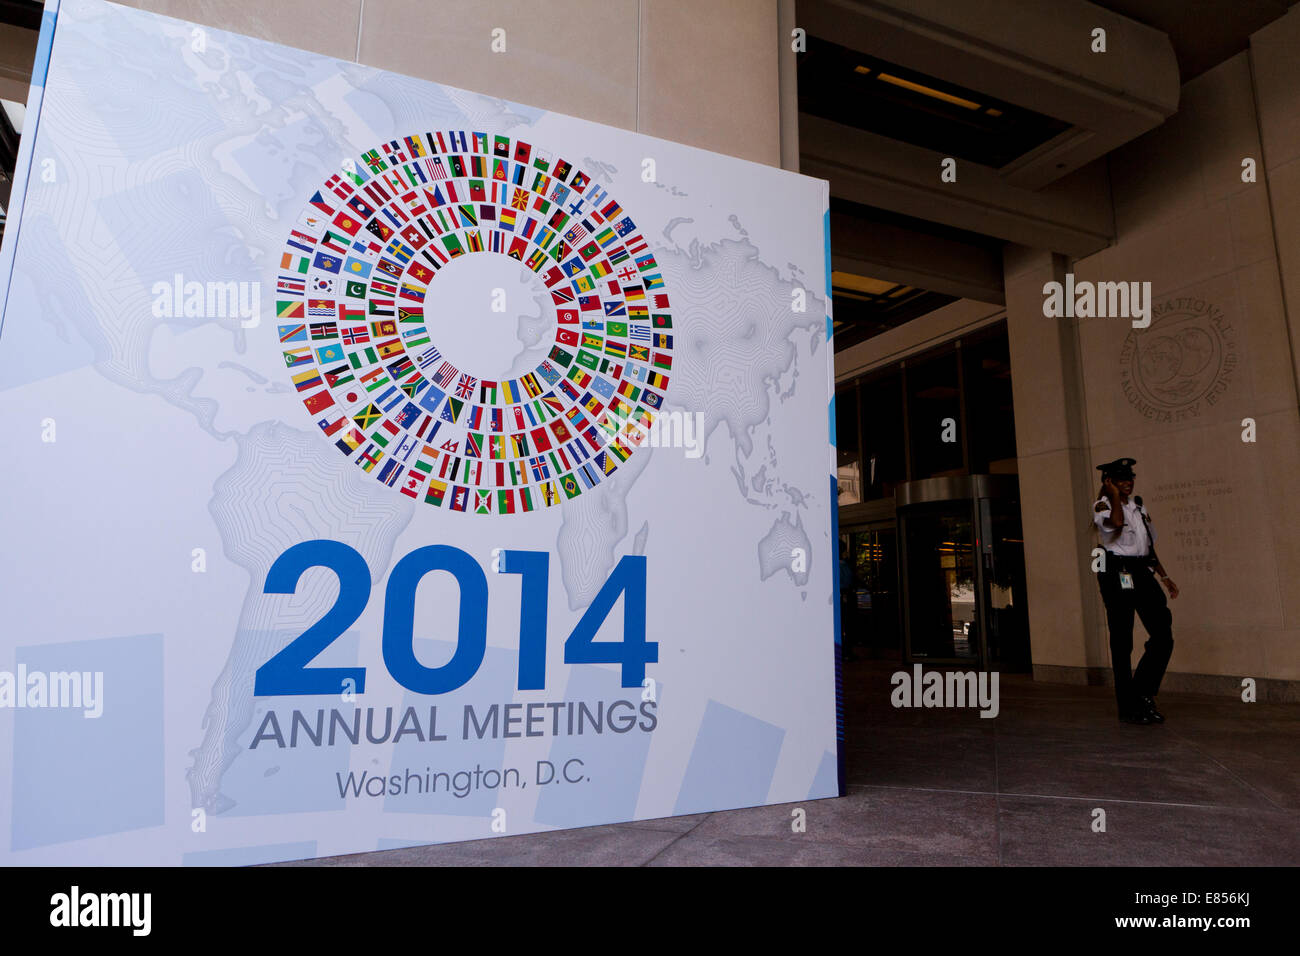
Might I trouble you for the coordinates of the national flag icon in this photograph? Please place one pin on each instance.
(350, 441)
(390, 472)
(413, 483)
(295, 358)
(548, 493)
(327, 262)
(367, 416)
(356, 269)
(360, 208)
(446, 374)
(436, 493)
(320, 308)
(323, 285)
(368, 458)
(465, 387)
(379, 230)
(294, 264)
(324, 330)
(293, 333)
(339, 376)
(329, 354)
(408, 415)
(330, 427)
(319, 402)
(356, 335)
(482, 502)
(459, 498)
(304, 381)
(335, 243)
(318, 202)
(662, 321)
(428, 357)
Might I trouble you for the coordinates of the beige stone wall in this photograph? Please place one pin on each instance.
(1227, 253)
(704, 74)
(1174, 396)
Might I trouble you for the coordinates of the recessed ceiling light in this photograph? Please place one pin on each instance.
(928, 91)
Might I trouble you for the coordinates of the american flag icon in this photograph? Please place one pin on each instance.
(446, 373)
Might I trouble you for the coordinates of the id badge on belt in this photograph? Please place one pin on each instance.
(1126, 580)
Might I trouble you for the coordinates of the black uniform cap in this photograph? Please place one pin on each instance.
(1121, 468)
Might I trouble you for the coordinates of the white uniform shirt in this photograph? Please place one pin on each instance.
(1128, 541)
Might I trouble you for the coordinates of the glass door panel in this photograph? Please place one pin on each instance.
(940, 582)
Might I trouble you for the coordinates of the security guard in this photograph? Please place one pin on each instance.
(1127, 585)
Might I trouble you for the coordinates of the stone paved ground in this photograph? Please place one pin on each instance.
(1219, 784)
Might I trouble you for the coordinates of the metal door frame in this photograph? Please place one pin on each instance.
(976, 491)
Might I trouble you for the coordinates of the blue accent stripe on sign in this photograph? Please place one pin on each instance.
(826, 233)
(835, 648)
(26, 150)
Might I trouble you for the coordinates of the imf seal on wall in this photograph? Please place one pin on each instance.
(1182, 363)
(381, 317)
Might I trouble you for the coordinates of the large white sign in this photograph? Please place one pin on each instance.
(391, 464)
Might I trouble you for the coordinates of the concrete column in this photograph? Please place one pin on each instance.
(1056, 475)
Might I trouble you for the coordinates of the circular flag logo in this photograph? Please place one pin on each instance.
(351, 314)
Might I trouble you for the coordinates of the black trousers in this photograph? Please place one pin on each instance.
(1147, 600)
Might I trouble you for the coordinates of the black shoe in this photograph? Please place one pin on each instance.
(1136, 717)
(1148, 706)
